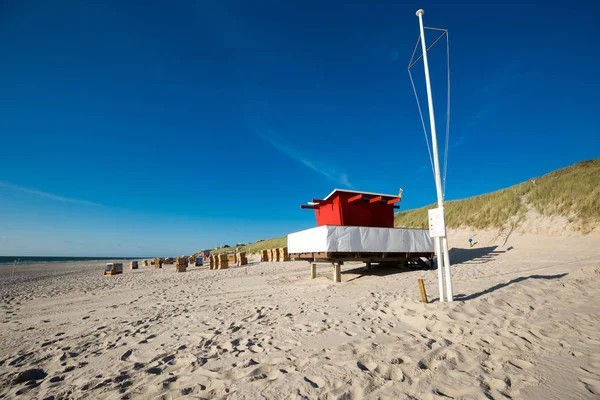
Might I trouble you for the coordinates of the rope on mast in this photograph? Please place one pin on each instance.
(429, 48)
(411, 63)
(447, 116)
(419, 107)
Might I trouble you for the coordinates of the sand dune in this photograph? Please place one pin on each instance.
(525, 325)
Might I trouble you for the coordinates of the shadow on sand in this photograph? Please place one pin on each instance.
(376, 270)
(480, 254)
(463, 297)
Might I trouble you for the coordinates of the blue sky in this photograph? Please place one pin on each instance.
(160, 128)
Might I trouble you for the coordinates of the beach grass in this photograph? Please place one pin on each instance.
(572, 192)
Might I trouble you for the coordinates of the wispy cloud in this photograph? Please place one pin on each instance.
(504, 77)
(460, 140)
(328, 172)
(475, 121)
(497, 82)
(48, 195)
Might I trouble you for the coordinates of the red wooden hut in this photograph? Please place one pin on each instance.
(353, 208)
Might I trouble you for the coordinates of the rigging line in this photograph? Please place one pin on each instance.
(435, 29)
(414, 51)
(430, 46)
(447, 115)
(422, 123)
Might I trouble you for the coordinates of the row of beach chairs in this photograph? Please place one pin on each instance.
(223, 261)
(275, 255)
(181, 264)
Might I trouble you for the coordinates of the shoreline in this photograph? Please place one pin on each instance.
(29, 260)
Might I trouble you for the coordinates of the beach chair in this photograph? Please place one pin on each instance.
(231, 258)
(241, 258)
(283, 254)
(181, 264)
(274, 255)
(223, 261)
(113, 269)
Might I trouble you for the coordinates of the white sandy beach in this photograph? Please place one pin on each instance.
(525, 325)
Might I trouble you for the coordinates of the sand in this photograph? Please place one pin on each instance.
(525, 325)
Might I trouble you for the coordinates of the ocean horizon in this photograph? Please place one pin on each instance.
(10, 260)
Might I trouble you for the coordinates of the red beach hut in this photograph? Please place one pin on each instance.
(353, 208)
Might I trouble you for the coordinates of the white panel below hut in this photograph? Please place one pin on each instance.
(355, 239)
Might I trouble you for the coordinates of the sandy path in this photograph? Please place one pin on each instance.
(527, 328)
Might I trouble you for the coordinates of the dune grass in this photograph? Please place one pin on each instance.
(490, 210)
(256, 247)
(572, 192)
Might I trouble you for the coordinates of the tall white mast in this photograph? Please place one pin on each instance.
(441, 242)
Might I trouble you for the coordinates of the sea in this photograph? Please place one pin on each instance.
(10, 260)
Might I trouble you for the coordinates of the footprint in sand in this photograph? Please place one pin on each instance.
(500, 385)
(591, 370)
(169, 359)
(154, 371)
(435, 358)
(399, 360)
(591, 385)
(520, 364)
(390, 372)
(366, 366)
(126, 355)
(256, 349)
(167, 382)
(315, 381)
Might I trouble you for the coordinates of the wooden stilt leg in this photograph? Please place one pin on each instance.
(423, 292)
(368, 265)
(313, 271)
(337, 273)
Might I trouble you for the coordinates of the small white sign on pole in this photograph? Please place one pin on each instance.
(437, 224)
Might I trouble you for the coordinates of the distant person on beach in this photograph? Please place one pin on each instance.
(470, 242)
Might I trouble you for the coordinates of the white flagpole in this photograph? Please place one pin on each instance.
(447, 264)
(443, 257)
(438, 252)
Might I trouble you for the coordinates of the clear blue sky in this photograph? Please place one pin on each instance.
(160, 128)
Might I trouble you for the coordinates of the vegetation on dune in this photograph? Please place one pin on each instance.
(572, 192)
(490, 210)
(254, 248)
